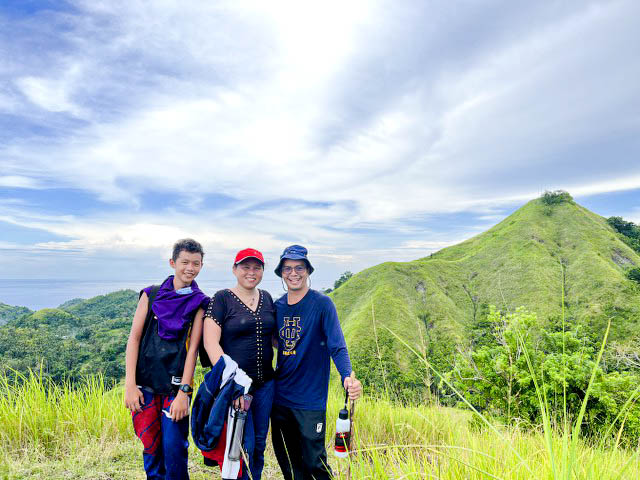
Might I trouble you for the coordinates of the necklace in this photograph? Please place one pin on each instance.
(250, 302)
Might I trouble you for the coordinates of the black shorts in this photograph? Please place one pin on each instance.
(298, 438)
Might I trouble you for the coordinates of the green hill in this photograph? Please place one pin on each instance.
(78, 338)
(439, 303)
(8, 312)
(113, 305)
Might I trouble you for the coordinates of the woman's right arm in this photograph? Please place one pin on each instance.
(133, 398)
(211, 340)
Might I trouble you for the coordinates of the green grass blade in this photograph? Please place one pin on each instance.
(482, 417)
(583, 407)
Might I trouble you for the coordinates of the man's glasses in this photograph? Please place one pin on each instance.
(298, 269)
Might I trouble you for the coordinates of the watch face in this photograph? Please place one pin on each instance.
(186, 388)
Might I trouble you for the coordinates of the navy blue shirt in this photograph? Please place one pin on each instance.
(308, 334)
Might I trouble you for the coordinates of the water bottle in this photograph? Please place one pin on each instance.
(235, 449)
(343, 434)
(237, 432)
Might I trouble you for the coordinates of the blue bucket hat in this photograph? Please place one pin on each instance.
(294, 252)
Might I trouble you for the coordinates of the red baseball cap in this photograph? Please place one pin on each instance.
(248, 253)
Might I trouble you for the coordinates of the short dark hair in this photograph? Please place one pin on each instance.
(188, 245)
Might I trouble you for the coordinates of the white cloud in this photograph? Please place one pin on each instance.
(50, 94)
(411, 157)
(18, 181)
(359, 115)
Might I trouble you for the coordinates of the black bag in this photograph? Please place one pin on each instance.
(160, 362)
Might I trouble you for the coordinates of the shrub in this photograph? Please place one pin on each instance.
(634, 274)
(343, 278)
(556, 197)
(498, 379)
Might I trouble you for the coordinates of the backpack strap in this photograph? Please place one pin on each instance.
(152, 296)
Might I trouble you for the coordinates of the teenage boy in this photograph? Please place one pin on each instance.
(308, 334)
(160, 360)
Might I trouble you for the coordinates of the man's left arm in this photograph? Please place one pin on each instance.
(338, 350)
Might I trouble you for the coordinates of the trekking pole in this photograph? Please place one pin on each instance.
(352, 412)
(348, 439)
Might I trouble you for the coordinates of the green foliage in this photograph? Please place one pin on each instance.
(555, 197)
(343, 278)
(8, 313)
(47, 317)
(552, 199)
(66, 344)
(629, 231)
(120, 304)
(634, 274)
(498, 378)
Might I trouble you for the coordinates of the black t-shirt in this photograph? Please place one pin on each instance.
(246, 335)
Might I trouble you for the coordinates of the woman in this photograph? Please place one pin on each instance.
(240, 322)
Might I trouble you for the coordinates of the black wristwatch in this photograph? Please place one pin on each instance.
(186, 388)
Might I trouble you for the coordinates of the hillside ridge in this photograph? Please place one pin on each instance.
(437, 303)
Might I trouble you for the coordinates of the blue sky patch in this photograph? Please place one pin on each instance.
(26, 236)
(612, 204)
(56, 201)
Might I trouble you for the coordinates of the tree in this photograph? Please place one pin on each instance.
(629, 229)
(556, 197)
(629, 232)
(498, 379)
(343, 278)
(634, 274)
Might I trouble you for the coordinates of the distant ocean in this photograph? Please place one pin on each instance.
(49, 293)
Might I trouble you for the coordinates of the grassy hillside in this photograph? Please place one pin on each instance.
(439, 304)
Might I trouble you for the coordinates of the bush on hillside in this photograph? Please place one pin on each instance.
(497, 378)
(555, 197)
(629, 231)
(343, 278)
(634, 274)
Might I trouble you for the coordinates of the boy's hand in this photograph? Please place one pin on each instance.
(179, 407)
(353, 386)
(133, 398)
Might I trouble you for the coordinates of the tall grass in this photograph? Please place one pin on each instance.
(37, 414)
(441, 443)
(85, 432)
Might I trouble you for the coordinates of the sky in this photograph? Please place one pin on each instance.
(367, 131)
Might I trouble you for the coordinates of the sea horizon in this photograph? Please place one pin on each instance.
(39, 293)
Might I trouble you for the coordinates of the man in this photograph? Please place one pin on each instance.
(160, 361)
(308, 334)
